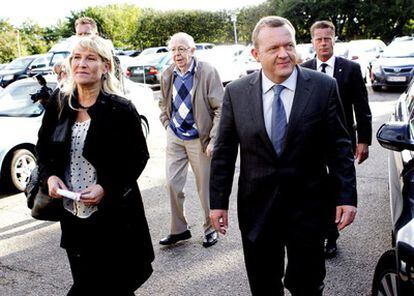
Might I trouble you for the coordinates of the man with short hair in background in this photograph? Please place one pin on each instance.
(354, 98)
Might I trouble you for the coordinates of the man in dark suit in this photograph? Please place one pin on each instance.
(354, 99)
(288, 122)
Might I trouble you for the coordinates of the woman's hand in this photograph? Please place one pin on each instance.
(54, 183)
(92, 195)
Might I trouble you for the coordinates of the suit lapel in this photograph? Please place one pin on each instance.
(338, 69)
(300, 101)
(256, 101)
(313, 66)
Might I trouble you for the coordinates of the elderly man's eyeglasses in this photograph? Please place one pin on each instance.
(179, 50)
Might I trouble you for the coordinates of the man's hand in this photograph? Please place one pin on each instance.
(361, 152)
(219, 219)
(209, 149)
(54, 183)
(345, 215)
(92, 195)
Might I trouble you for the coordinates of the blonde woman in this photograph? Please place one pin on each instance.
(91, 143)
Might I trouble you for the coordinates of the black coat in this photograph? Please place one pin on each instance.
(354, 98)
(296, 180)
(116, 147)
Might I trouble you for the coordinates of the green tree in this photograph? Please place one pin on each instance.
(8, 44)
(32, 38)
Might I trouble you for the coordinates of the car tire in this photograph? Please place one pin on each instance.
(145, 126)
(386, 277)
(376, 88)
(21, 165)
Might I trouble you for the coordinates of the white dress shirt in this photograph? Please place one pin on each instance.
(286, 96)
(329, 69)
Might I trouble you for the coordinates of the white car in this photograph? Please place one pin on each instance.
(364, 52)
(20, 120)
(224, 59)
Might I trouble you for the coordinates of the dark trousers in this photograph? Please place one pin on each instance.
(265, 262)
(93, 276)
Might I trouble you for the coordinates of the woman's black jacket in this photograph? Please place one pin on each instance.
(116, 147)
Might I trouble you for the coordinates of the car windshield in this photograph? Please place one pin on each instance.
(15, 101)
(399, 50)
(19, 64)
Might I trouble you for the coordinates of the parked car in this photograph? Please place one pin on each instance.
(148, 68)
(224, 59)
(247, 62)
(126, 61)
(305, 51)
(341, 49)
(17, 69)
(40, 62)
(55, 57)
(2, 66)
(395, 67)
(20, 120)
(394, 273)
(365, 52)
(152, 50)
(203, 46)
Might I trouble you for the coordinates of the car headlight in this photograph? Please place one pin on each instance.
(8, 77)
(376, 68)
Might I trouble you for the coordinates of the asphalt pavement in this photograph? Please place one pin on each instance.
(32, 263)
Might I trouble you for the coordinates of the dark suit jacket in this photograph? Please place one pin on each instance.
(116, 147)
(354, 98)
(297, 179)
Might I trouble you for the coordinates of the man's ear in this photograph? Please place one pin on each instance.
(255, 54)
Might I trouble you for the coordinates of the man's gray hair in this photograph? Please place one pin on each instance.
(271, 21)
(183, 36)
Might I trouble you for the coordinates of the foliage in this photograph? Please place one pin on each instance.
(354, 19)
(154, 28)
(130, 27)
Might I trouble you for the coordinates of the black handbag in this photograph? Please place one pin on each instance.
(43, 206)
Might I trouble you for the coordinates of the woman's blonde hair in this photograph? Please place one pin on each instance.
(102, 47)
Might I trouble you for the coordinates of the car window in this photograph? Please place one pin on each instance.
(19, 64)
(399, 50)
(16, 102)
(58, 57)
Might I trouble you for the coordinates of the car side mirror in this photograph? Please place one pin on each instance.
(395, 136)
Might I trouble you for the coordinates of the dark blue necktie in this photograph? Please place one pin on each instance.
(323, 66)
(279, 122)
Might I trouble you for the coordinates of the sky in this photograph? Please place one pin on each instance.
(48, 12)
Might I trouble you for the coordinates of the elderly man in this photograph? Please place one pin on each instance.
(191, 98)
(288, 124)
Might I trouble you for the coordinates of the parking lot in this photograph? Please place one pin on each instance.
(31, 262)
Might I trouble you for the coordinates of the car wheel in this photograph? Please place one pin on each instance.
(21, 166)
(145, 126)
(385, 281)
(376, 88)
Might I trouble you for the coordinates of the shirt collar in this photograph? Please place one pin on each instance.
(289, 83)
(190, 69)
(330, 62)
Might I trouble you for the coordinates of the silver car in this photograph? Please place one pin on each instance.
(20, 119)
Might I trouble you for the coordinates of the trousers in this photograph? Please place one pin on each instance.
(179, 154)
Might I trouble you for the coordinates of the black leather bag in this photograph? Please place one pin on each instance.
(42, 205)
